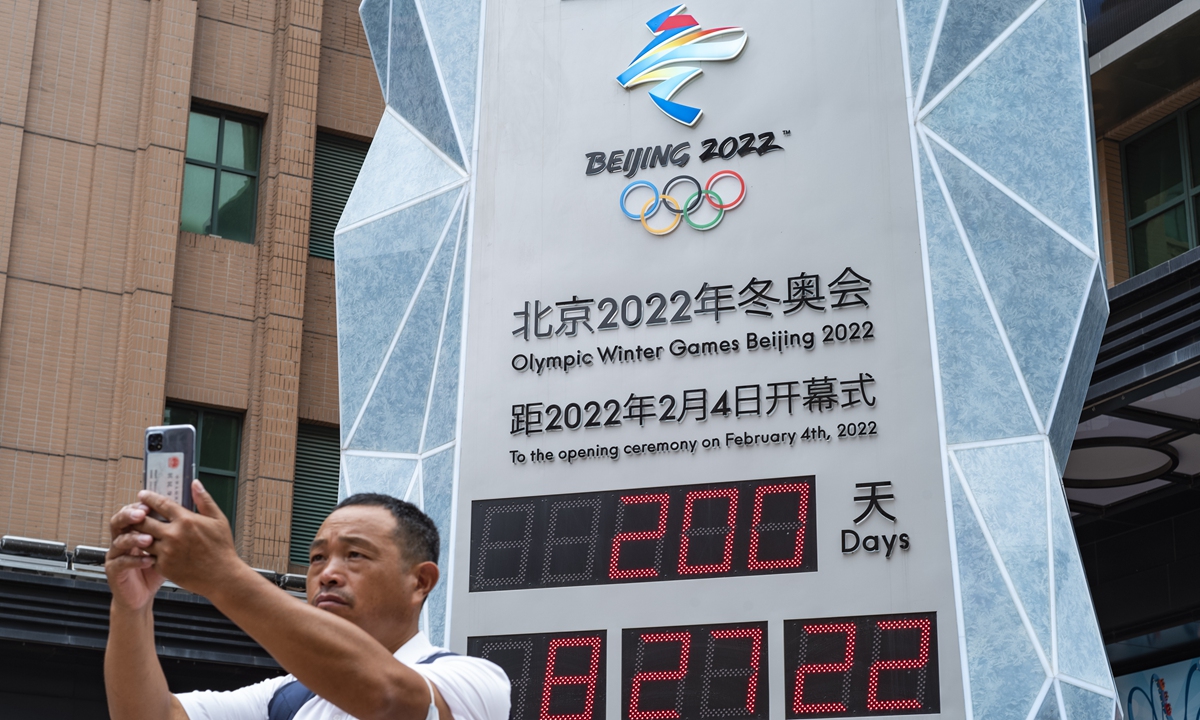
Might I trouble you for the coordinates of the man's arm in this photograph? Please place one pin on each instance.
(331, 656)
(133, 678)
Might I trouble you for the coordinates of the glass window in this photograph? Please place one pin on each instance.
(218, 446)
(1155, 168)
(1194, 144)
(1159, 239)
(220, 179)
(1162, 189)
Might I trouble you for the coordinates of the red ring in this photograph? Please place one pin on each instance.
(713, 181)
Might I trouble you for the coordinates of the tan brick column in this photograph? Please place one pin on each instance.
(1112, 211)
(265, 499)
(153, 234)
(18, 18)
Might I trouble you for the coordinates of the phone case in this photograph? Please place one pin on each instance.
(170, 468)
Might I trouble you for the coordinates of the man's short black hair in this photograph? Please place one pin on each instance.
(416, 533)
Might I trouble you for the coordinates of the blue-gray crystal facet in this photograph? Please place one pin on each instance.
(374, 14)
(378, 267)
(381, 186)
(395, 412)
(1022, 116)
(413, 89)
(970, 26)
(1079, 371)
(1006, 674)
(920, 18)
(454, 29)
(1036, 277)
(980, 394)
(1009, 485)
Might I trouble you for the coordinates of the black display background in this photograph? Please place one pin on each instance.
(872, 645)
(512, 546)
(714, 686)
(524, 659)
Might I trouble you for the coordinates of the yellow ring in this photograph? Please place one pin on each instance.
(661, 231)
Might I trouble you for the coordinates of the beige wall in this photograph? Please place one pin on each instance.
(107, 310)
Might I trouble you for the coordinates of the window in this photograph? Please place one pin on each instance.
(220, 178)
(315, 492)
(335, 168)
(1162, 189)
(218, 445)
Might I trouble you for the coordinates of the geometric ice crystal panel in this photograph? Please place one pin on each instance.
(981, 379)
(1001, 138)
(968, 26)
(1025, 94)
(426, 53)
(400, 251)
(1009, 486)
(1019, 256)
(379, 268)
(1003, 665)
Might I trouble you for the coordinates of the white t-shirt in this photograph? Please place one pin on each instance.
(473, 688)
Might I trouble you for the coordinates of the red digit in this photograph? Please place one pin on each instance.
(755, 636)
(685, 641)
(797, 558)
(873, 701)
(588, 680)
(662, 500)
(798, 704)
(689, 500)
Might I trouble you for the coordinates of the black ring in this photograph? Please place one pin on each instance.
(692, 206)
(1171, 454)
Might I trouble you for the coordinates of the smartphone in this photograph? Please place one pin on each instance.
(170, 467)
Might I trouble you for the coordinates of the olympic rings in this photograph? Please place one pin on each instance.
(675, 181)
(665, 230)
(704, 193)
(709, 195)
(724, 174)
(630, 188)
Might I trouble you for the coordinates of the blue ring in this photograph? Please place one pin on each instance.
(625, 196)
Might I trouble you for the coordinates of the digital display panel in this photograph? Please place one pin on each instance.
(556, 676)
(861, 666)
(694, 672)
(669, 533)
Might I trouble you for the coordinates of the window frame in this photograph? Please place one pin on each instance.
(201, 411)
(218, 168)
(1189, 197)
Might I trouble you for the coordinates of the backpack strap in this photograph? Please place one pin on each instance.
(429, 660)
(288, 700)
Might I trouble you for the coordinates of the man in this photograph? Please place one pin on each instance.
(352, 651)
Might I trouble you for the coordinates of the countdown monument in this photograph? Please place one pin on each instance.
(736, 348)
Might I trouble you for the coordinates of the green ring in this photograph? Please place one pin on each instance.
(713, 223)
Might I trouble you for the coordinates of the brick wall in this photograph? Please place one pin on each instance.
(107, 310)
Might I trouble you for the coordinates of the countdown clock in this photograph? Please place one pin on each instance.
(669, 442)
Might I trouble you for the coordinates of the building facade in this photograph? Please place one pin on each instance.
(155, 260)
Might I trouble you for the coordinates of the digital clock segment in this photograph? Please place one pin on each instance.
(861, 666)
(755, 527)
(695, 672)
(554, 676)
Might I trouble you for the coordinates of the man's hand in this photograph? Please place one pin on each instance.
(193, 549)
(131, 573)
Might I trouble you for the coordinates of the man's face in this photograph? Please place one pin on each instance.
(358, 572)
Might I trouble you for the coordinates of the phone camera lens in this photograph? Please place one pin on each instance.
(154, 442)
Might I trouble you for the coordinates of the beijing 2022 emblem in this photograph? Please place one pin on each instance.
(678, 38)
